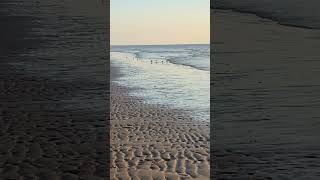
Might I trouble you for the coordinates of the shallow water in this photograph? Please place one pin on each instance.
(159, 81)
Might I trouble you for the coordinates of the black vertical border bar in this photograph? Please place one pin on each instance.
(212, 159)
(108, 89)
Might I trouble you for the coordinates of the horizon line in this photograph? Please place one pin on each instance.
(159, 44)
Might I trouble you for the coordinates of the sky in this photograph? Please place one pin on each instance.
(153, 22)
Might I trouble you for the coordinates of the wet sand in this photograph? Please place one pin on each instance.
(155, 142)
(265, 98)
(53, 90)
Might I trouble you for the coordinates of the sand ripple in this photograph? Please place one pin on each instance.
(151, 142)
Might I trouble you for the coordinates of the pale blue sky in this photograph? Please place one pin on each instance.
(160, 22)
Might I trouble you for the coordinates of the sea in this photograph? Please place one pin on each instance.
(301, 13)
(177, 76)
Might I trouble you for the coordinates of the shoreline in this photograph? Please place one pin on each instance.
(142, 145)
(150, 83)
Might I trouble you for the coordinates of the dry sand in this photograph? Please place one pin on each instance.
(155, 142)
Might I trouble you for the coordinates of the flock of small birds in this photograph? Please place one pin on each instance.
(156, 61)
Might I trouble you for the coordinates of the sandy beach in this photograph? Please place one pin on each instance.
(265, 98)
(53, 91)
(155, 142)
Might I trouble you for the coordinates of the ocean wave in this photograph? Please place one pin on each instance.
(195, 56)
